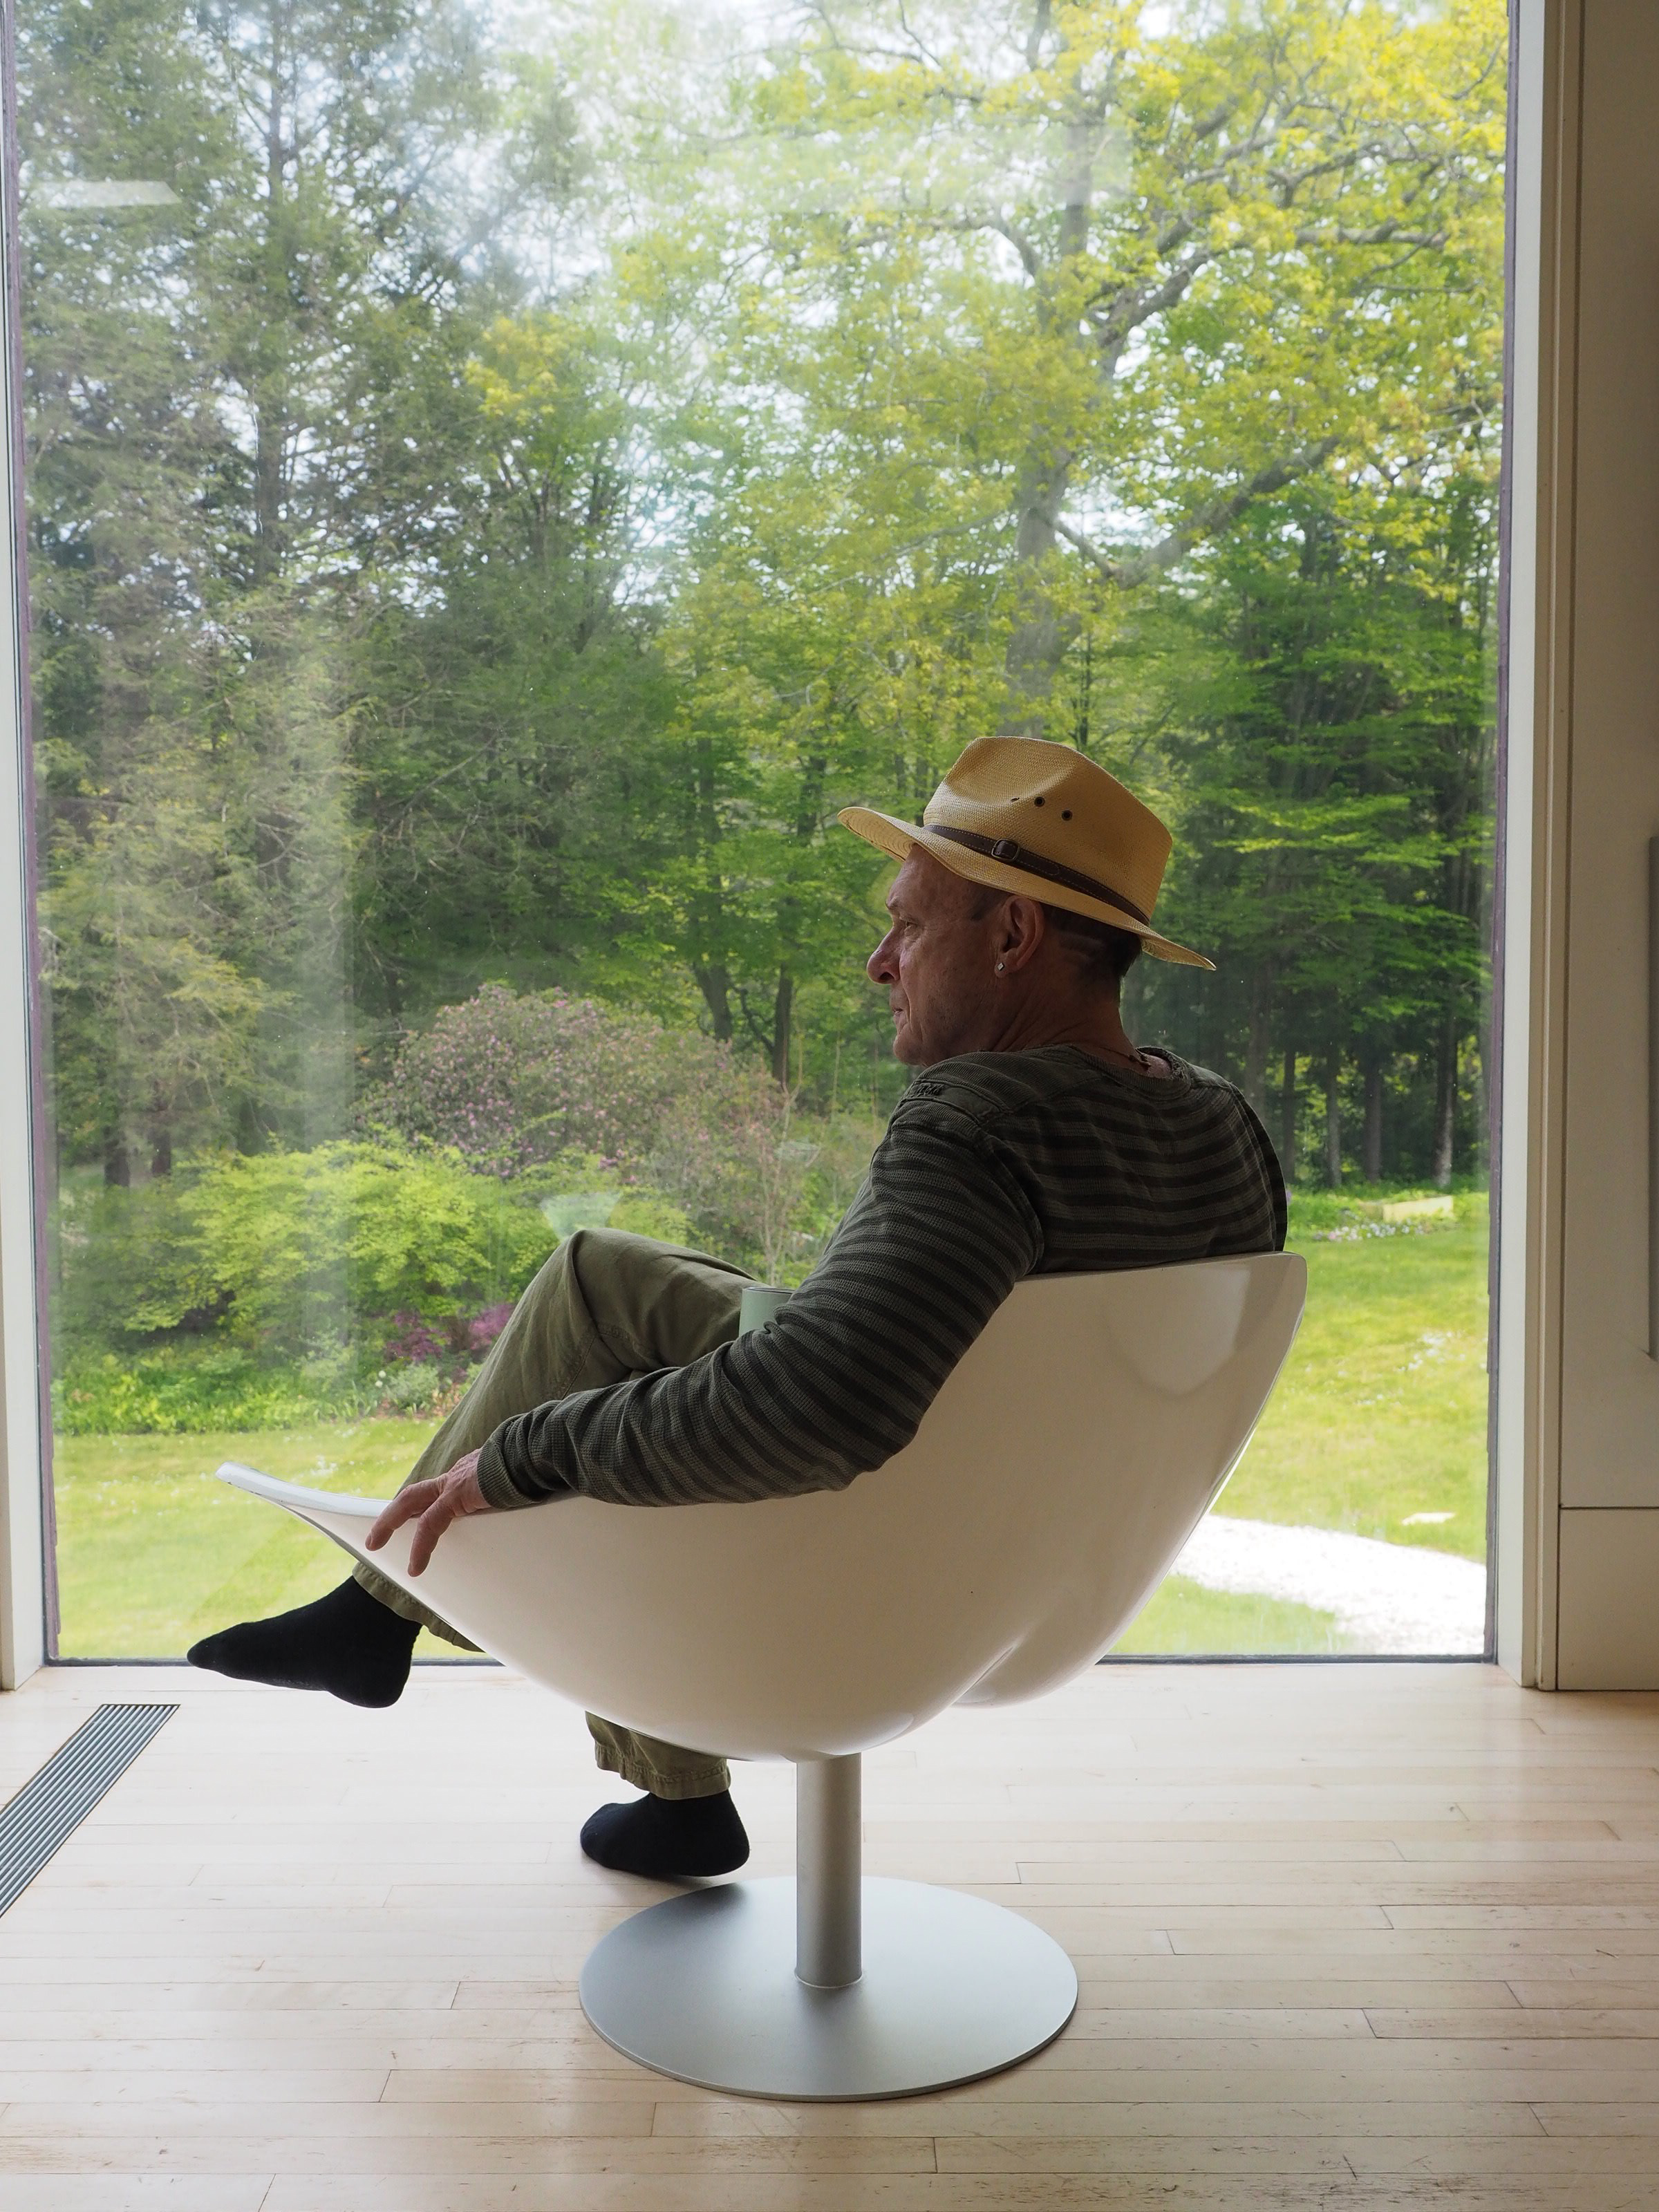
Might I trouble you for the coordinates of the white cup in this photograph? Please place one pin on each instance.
(760, 1302)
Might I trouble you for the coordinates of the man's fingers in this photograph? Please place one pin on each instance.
(432, 1505)
(428, 1529)
(403, 1507)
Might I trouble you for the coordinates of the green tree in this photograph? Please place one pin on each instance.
(218, 484)
(1001, 326)
(1332, 737)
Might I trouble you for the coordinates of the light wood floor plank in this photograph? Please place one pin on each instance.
(1348, 1938)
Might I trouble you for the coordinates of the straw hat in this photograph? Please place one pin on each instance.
(1021, 815)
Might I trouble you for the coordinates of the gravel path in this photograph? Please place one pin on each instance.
(1387, 1597)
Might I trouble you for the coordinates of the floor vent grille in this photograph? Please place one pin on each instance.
(50, 1807)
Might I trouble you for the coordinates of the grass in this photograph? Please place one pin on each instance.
(1381, 1415)
(1183, 1616)
(152, 1553)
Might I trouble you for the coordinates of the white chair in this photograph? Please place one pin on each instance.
(1059, 1471)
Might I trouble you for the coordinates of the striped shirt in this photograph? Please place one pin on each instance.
(994, 1166)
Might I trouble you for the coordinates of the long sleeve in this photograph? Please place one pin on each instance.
(838, 1381)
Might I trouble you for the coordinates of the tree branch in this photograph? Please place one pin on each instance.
(1037, 33)
(1030, 260)
(1207, 521)
(1112, 330)
(1381, 233)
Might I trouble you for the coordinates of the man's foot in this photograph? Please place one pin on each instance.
(347, 1643)
(668, 1839)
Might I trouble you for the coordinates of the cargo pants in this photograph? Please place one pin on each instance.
(606, 1306)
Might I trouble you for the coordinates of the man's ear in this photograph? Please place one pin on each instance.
(1020, 930)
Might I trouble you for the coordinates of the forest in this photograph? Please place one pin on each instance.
(500, 479)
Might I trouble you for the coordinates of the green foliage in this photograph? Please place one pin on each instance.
(294, 1254)
(677, 1129)
(303, 1243)
(513, 1083)
(180, 1389)
(130, 1262)
(259, 1291)
(1332, 743)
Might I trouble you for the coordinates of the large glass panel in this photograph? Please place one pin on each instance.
(500, 477)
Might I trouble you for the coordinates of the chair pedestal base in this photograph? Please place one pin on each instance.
(704, 1988)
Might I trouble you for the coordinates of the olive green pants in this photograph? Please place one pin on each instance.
(606, 1305)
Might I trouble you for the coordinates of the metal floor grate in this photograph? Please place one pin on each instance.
(50, 1807)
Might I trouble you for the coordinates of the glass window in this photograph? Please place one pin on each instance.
(500, 479)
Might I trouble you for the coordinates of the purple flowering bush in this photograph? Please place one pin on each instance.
(446, 1344)
(483, 1328)
(516, 1084)
(413, 1340)
(511, 1082)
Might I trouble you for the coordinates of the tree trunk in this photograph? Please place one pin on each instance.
(118, 1166)
(707, 917)
(783, 1007)
(1043, 632)
(1445, 1103)
(270, 394)
(1334, 1123)
(1085, 696)
(1287, 1116)
(1255, 1043)
(160, 1160)
(714, 982)
(1372, 1144)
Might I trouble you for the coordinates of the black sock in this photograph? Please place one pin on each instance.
(668, 1839)
(347, 1643)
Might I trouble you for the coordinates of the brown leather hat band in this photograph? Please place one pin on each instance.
(1015, 855)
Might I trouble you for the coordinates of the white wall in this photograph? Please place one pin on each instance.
(1578, 1410)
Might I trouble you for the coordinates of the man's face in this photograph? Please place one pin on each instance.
(936, 963)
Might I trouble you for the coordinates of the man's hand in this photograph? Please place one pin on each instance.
(432, 1506)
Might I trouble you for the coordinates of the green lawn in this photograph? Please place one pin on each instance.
(152, 1553)
(1382, 1414)
(1381, 1410)
(1181, 1616)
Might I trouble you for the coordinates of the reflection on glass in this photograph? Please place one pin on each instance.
(499, 479)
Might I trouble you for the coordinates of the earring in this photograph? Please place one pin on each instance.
(998, 967)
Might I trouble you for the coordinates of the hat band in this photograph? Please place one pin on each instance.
(1015, 855)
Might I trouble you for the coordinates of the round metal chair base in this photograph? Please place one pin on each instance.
(703, 1988)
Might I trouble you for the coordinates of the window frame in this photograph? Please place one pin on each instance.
(28, 1552)
(1527, 929)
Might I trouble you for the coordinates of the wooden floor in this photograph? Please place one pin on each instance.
(1348, 1936)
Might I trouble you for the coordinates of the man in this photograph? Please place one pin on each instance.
(1039, 1139)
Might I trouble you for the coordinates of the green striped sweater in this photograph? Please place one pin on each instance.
(994, 1166)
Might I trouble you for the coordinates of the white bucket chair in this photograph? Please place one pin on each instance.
(1059, 1471)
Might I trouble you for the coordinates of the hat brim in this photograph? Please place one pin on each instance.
(899, 838)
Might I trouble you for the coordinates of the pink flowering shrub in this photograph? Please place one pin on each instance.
(512, 1082)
